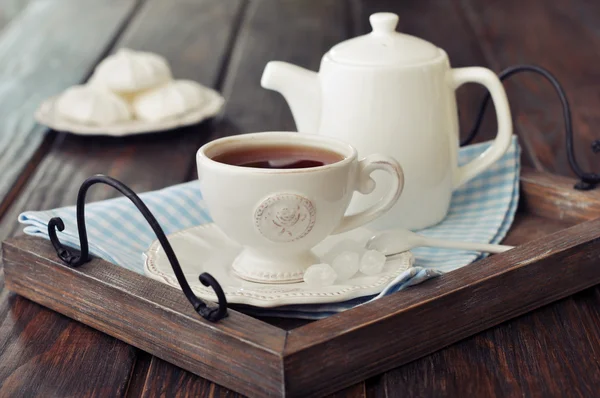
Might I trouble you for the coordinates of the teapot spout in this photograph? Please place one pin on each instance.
(300, 88)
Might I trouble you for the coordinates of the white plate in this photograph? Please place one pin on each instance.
(206, 249)
(47, 115)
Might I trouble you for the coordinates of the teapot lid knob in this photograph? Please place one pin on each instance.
(383, 22)
(384, 46)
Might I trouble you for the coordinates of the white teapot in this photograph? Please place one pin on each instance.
(391, 93)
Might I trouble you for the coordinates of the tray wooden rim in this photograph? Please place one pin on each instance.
(258, 359)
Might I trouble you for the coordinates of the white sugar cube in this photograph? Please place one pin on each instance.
(346, 245)
(346, 265)
(319, 275)
(372, 262)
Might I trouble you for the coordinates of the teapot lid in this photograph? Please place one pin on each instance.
(384, 46)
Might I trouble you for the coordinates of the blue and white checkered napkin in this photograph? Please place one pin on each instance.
(481, 211)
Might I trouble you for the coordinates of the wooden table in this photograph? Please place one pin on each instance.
(47, 45)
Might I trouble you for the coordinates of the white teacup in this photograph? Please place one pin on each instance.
(278, 215)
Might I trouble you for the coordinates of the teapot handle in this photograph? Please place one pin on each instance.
(502, 142)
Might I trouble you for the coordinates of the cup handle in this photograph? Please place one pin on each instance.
(500, 145)
(365, 185)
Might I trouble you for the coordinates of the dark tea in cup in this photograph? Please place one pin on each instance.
(278, 157)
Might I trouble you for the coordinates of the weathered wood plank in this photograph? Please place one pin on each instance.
(588, 315)
(33, 66)
(9, 9)
(149, 161)
(239, 351)
(311, 28)
(255, 358)
(411, 324)
(51, 354)
(556, 35)
(553, 196)
(137, 381)
(509, 360)
(292, 31)
(448, 35)
(36, 65)
(164, 379)
(506, 41)
(195, 37)
(466, 37)
(357, 390)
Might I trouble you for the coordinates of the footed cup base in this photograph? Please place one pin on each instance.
(259, 268)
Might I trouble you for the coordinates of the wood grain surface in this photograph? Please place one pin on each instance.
(313, 27)
(9, 9)
(258, 359)
(506, 369)
(309, 29)
(241, 350)
(515, 32)
(454, 305)
(35, 67)
(553, 197)
(144, 162)
(149, 161)
(40, 350)
(225, 45)
(164, 379)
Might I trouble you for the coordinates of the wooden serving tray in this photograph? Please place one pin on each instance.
(557, 233)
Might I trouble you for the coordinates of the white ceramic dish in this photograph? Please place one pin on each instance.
(206, 249)
(46, 114)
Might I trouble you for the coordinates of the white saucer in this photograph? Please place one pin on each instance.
(47, 115)
(206, 249)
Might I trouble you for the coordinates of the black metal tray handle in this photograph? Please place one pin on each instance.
(586, 180)
(74, 259)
